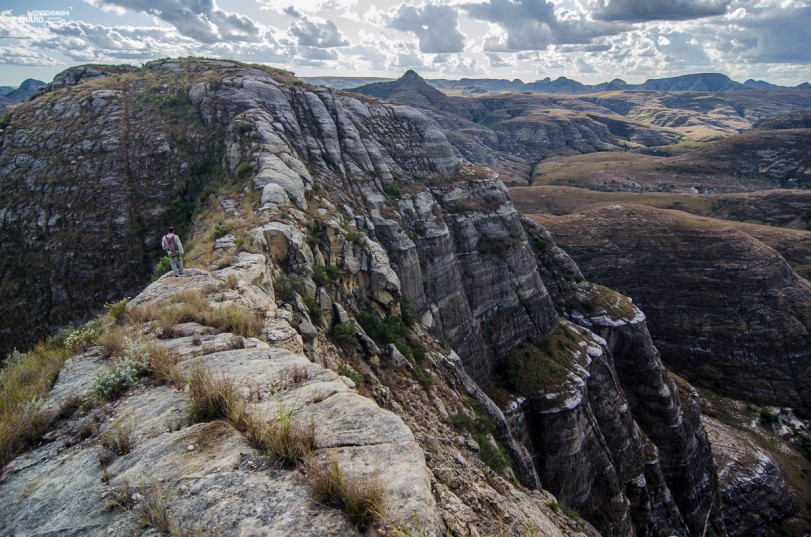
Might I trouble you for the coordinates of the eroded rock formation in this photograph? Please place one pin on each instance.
(348, 206)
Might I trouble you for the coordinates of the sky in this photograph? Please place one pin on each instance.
(587, 40)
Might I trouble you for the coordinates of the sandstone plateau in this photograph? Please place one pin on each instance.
(392, 297)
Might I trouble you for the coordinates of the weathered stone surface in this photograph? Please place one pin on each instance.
(279, 333)
(167, 286)
(273, 193)
(753, 487)
(210, 468)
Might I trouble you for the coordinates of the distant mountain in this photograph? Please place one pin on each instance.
(11, 96)
(700, 82)
(413, 90)
(759, 84)
(342, 82)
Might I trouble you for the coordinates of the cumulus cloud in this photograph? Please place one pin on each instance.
(310, 33)
(83, 41)
(435, 26)
(496, 60)
(25, 56)
(782, 36)
(534, 25)
(316, 53)
(201, 20)
(650, 10)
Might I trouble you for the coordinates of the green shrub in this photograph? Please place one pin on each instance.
(244, 170)
(325, 275)
(114, 382)
(316, 313)
(540, 244)
(163, 266)
(462, 421)
(344, 332)
(221, 229)
(242, 128)
(124, 373)
(383, 331)
(768, 418)
(117, 309)
(392, 190)
(407, 312)
(423, 377)
(80, 338)
(492, 455)
(351, 374)
(286, 287)
(170, 101)
(358, 237)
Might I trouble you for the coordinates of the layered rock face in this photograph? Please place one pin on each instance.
(662, 455)
(376, 193)
(729, 313)
(753, 487)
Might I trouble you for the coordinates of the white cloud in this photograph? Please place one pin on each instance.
(534, 25)
(435, 27)
(25, 56)
(650, 10)
(201, 20)
(321, 34)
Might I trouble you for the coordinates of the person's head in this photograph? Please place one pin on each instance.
(171, 230)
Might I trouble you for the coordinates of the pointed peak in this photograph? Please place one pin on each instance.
(411, 76)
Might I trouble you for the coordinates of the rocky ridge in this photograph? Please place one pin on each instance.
(356, 204)
(214, 478)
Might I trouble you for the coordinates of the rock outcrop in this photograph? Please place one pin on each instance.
(753, 487)
(207, 476)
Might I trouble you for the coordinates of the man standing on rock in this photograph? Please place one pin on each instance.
(174, 249)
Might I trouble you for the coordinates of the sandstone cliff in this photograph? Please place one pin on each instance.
(339, 222)
(724, 309)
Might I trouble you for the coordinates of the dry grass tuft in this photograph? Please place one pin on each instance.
(118, 439)
(163, 366)
(212, 397)
(362, 499)
(23, 380)
(286, 440)
(151, 504)
(113, 342)
(192, 306)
